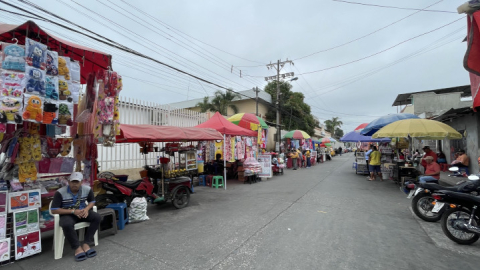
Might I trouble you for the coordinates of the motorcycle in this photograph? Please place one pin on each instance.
(461, 221)
(176, 190)
(423, 202)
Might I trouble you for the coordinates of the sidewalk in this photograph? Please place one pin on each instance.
(451, 181)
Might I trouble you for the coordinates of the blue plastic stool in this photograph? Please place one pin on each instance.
(202, 180)
(122, 214)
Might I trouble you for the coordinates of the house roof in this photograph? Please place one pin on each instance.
(453, 114)
(245, 95)
(406, 98)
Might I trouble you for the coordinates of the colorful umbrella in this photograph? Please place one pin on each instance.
(248, 120)
(354, 136)
(418, 128)
(325, 140)
(332, 140)
(296, 135)
(379, 123)
(360, 127)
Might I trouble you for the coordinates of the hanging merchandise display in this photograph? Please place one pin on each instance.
(51, 87)
(52, 63)
(12, 84)
(63, 69)
(36, 54)
(33, 110)
(35, 81)
(13, 57)
(10, 110)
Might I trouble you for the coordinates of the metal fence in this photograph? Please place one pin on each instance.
(138, 112)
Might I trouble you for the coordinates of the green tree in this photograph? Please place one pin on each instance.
(220, 102)
(294, 112)
(338, 132)
(331, 125)
(204, 105)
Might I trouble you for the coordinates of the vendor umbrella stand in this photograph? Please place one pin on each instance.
(297, 135)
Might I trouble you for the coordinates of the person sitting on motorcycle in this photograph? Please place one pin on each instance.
(432, 170)
(462, 159)
(70, 202)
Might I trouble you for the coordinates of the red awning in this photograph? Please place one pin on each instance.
(224, 126)
(90, 59)
(150, 133)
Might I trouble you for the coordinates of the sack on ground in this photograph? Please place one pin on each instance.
(138, 210)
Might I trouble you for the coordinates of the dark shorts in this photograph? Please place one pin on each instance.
(374, 168)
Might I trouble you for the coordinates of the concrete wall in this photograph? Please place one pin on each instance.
(245, 106)
(432, 104)
(470, 123)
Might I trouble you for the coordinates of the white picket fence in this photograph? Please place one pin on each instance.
(138, 112)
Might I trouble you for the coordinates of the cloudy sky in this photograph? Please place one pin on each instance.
(355, 59)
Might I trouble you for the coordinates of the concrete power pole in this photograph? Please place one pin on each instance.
(278, 66)
(256, 90)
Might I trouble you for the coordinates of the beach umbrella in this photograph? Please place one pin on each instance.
(360, 127)
(332, 140)
(248, 120)
(296, 135)
(379, 123)
(424, 129)
(354, 136)
(325, 140)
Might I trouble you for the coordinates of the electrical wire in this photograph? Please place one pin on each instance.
(372, 5)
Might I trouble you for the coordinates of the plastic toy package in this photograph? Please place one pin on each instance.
(13, 57)
(35, 81)
(10, 110)
(36, 54)
(52, 63)
(65, 113)
(33, 108)
(12, 84)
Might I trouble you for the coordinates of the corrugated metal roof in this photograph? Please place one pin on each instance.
(406, 98)
(247, 94)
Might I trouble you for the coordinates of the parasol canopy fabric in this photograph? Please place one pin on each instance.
(379, 123)
(325, 140)
(296, 135)
(224, 126)
(151, 133)
(248, 120)
(360, 127)
(332, 140)
(354, 136)
(90, 60)
(418, 128)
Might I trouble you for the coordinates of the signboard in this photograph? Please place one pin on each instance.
(266, 163)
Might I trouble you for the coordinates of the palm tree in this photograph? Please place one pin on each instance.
(204, 105)
(222, 101)
(333, 124)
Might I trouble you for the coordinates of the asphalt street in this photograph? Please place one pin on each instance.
(324, 217)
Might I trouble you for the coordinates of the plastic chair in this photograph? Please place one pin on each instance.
(59, 237)
(202, 180)
(121, 209)
(215, 181)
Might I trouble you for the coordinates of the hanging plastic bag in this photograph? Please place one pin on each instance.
(10, 110)
(52, 63)
(36, 54)
(35, 81)
(33, 111)
(75, 71)
(50, 112)
(13, 57)
(63, 68)
(51, 87)
(65, 113)
(12, 84)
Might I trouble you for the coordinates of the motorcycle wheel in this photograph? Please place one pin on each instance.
(456, 235)
(422, 207)
(102, 200)
(181, 197)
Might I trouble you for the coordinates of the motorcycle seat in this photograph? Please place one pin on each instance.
(463, 196)
(132, 185)
(432, 186)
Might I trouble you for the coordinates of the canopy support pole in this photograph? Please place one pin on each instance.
(224, 164)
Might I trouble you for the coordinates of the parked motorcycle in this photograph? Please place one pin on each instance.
(461, 221)
(423, 202)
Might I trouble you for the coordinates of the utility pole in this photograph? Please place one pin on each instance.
(278, 66)
(256, 90)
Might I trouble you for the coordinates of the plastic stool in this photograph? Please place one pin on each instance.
(202, 180)
(215, 183)
(107, 224)
(121, 209)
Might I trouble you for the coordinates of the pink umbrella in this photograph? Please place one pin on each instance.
(360, 127)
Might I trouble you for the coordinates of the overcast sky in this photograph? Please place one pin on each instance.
(250, 34)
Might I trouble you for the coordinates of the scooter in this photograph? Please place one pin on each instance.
(461, 221)
(423, 202)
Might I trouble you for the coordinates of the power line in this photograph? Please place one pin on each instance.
(367, 35)
(364, 4)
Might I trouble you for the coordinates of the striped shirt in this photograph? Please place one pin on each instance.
(64, 198)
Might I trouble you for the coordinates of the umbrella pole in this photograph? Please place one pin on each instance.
(224, 164)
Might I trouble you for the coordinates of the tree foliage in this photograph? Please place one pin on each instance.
(294, 112)
(331, 125)
(220, 102)
(338, 132)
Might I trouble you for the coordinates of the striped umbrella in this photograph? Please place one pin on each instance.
(361, 127)
(296, 135)
(325, 140)
(248, 121)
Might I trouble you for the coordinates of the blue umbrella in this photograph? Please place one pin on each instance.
(353, 136)
(379, 123)
(332, 140)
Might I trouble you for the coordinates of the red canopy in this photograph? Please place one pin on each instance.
(150, 133)
(224, 126)
(90, 59)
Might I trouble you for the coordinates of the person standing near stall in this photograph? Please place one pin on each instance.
(309, 161)
(294, 157)
(375, 163)
(428, 153)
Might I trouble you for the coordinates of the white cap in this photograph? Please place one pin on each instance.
(76, 176)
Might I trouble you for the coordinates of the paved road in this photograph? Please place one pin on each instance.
(325, 217)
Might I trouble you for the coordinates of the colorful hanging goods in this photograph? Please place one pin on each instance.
(52, 63)
(10, 111)
(13, 57)
(54, 147)
(106, 110)
(12, 83)
(64, 92)
(27, 171)
(65, 111)
(66, 146)
(63, 68)
(50, 112)
(51, 87)
(33, 108)
(75, 71)
(35, 81)
(36, 54)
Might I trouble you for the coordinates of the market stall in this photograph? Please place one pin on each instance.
(48, 129)
(252, 122)
(234, 142)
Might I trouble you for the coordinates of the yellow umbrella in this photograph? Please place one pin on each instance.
(418, 128)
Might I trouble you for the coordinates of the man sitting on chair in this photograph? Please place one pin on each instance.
(70, 203)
